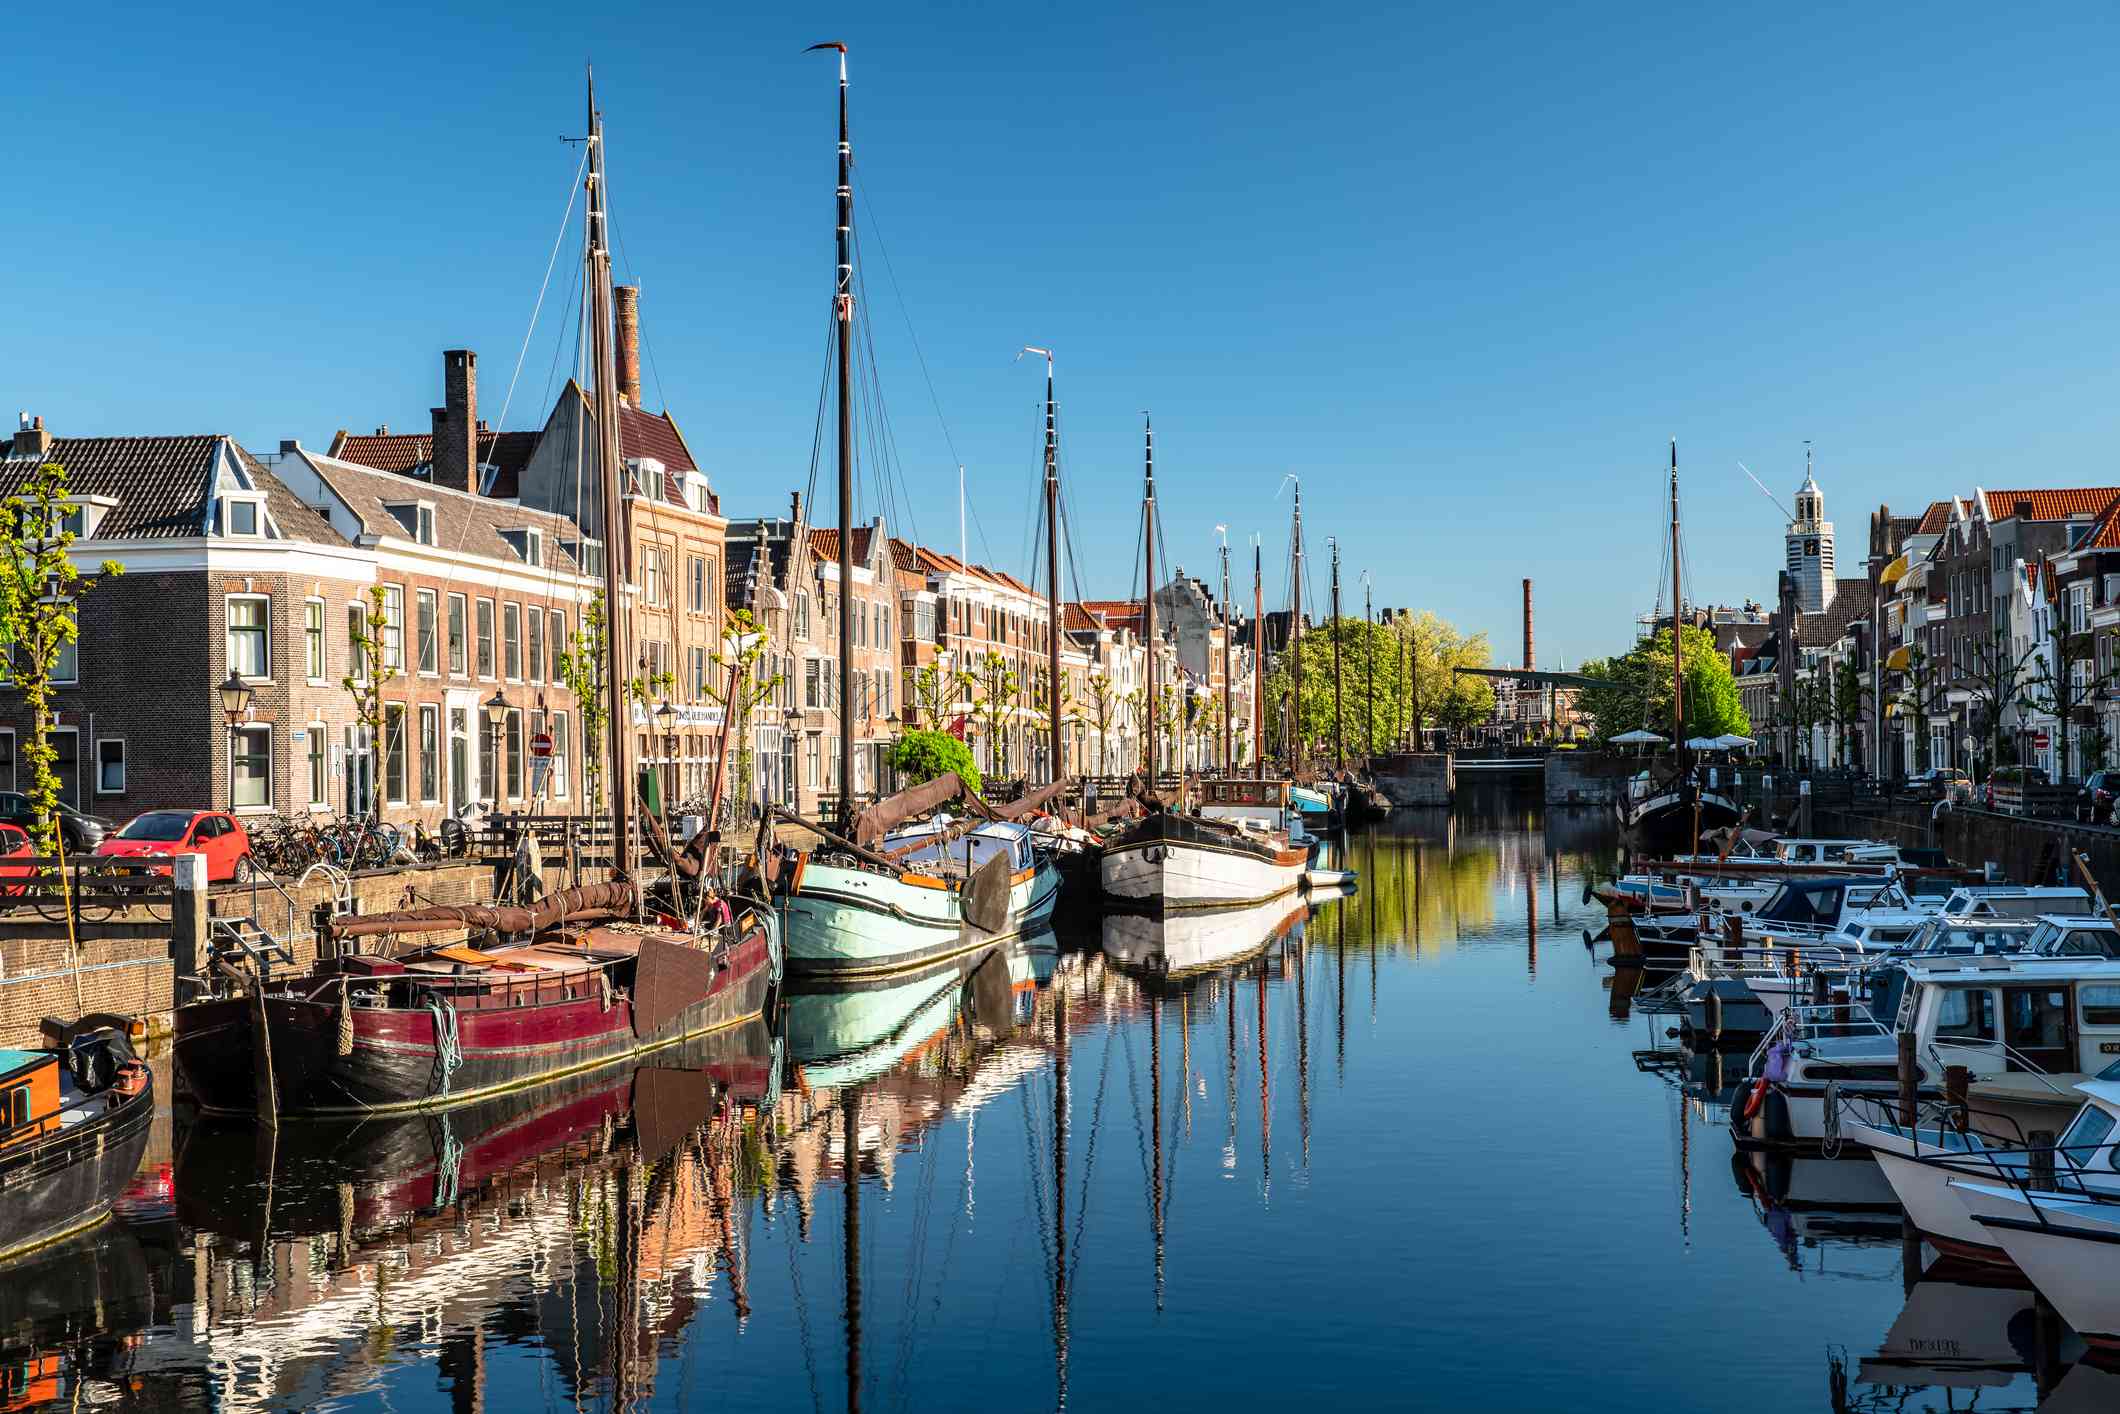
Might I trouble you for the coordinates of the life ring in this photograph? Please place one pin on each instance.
(1755, 1099)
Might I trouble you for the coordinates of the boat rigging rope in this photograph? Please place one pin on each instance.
(448, 1053)
(448, 1154)
(345, 1028)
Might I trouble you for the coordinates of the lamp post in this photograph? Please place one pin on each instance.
(666, 719)
(496, 708)
(235, 705)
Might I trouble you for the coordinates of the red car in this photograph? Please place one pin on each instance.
(213, 833)
(16, 847)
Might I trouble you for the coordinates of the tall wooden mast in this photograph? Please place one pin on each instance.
(843, 327)
(1295, 639)
(1052, 562)
(1678, 655)
(1228, 757)
(610, 463)
(1258, 655)
(1339, 708)
(1148, 602)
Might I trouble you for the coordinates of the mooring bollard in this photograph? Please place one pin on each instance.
(187, 938)
(1909, 1081)
(1957, 1086)
(2042, 1160)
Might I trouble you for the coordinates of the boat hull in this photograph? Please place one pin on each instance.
(1169, 863)
(65, 1182)
(1924, 1190)
(2068, 1256)
(394, 1057)
(1664, 825)
(848, 922)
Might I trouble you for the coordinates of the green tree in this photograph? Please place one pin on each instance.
(1997, 677)
(372, 670)
(40, 614)
(1634, 689)
(743, 689)
(923, 755)
(1416, 662)
(998, 688)
(1851, 700)
(581, 669)
(1104, 703)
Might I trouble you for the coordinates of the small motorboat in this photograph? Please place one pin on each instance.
(73, 1128)
(1330, 878)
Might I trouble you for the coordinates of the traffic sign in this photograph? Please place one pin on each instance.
(540, 745)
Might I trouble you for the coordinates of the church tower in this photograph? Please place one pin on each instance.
(1808, 546)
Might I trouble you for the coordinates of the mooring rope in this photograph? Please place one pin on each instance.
(448, 1054)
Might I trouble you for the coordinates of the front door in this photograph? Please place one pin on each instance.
(2035, 1025)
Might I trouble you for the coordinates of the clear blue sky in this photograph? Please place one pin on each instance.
(1464, 271)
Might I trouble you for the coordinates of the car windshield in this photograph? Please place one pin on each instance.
(157, 825)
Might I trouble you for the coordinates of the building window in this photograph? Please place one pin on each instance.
(417, 518)
(534, 547)
(802, 614)
(812, 685)
(356, 632)
(427, 633)
(559, 642)
(512, 641)
(250, 766)
(241, 517)
(110, 766)
(489, 765)
(515, 753)
(459, 756)
(536, 626)
(559, 754)
(485, 638)
(66, 663)
(249, 637)
(394, 627)
(696, 584)
(456, 634)
(394, 753)
(430, 752)
(313, 664)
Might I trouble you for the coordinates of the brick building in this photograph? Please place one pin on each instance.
(220, 558)
(481, 597)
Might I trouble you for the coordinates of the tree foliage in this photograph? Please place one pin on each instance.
(1634, 689)
(1388, 673)
(40, 592)
(923, 755)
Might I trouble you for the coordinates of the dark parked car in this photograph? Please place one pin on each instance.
(1939, 781)
(2094, 800)
(79, 833)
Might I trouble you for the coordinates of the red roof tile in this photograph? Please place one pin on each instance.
(406, 452)
(1934, 519)
(2105, 531)
(2051, 505)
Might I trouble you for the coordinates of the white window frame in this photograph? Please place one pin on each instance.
(495, 640)
(432, 600)
(393, 627)
(457, 668)
(558, 770)
(225, 519)
(229, 746)
(119, 742)
(397, 755)
(511, 613)
(316, 764)
(534, 643)
(429, 712)
(228, 629)
(534, 548)
(320, 635)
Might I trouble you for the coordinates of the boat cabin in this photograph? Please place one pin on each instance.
(2073, 935)
(2013, 900)
(1835, 852)
(29, 1095)
(1824, 905)
(2016, 1013)
(949, 858)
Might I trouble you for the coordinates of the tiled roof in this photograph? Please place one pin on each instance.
(2104, 533)
(2051, 505)
(161, 485)
(1934, 519)
(652, 434)
(904, 554)
(464, 523)
(1077, 619)
(404, 452)
(824, 544)
(1851, 601)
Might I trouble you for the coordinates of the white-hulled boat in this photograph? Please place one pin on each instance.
(2065, 1242)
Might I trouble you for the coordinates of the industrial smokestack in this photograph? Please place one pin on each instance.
(1530, 660)
(625, 301)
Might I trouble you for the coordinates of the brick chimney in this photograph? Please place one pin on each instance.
(456, 425)
(1530, 660)
(31, 440)
(625, 304)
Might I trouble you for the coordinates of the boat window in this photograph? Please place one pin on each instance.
(2086, 942)
(1965, 1015)
(2086, 1136)
(15, 1110)
(2101, 1003)
(2036, 1018)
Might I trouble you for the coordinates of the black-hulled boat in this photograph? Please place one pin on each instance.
(73, 1128)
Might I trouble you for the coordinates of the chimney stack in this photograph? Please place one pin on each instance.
(1530, 660)
(626, 309)
(456, 425)
(31, 440)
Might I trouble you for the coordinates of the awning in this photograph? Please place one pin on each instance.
(1895, 571)
(1900, 658)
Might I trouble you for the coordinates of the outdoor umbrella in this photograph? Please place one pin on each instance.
(1640, 736)
(1705, 743)
(1734, 742)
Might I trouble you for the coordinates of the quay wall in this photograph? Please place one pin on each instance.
(136, 976)
(1587, 777)
(2029, 851)
(1417, 778)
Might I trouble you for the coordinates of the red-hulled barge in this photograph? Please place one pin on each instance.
(365, 1034)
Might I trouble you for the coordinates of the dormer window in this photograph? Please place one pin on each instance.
(528, 544)
(646, 476)
(417, 517)
(587, 554)
(242, 515)
(698, 495)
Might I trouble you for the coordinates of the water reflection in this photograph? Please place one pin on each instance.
(1035, 1176)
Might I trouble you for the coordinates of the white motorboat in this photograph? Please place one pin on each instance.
(2065, 1242)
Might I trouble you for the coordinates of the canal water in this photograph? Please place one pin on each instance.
(1411, 1148)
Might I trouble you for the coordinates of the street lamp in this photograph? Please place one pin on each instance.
(666, 718)
(496, 708)
(235, 705)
